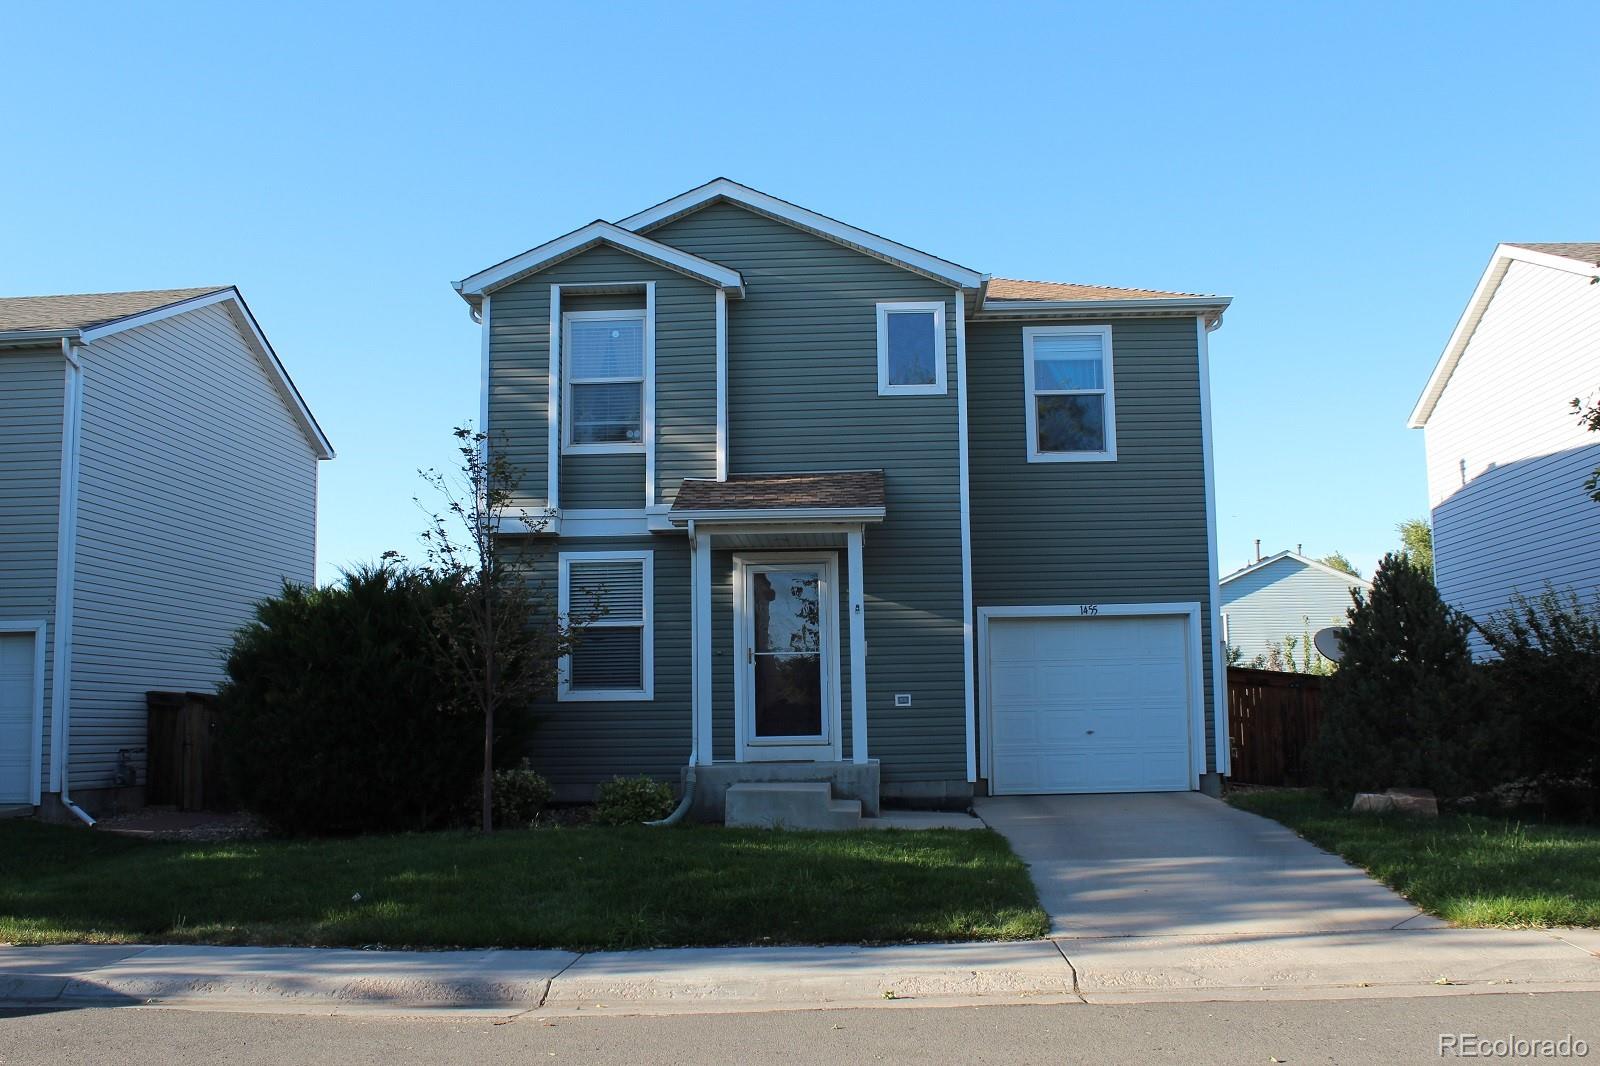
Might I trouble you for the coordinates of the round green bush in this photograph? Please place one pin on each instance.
(519, 795)
(336, 720)
(631, 800)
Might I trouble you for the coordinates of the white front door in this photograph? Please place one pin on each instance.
(786, 639)
(1090, 704)
(17, 689)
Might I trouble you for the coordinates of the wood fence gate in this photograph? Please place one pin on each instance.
(1273, 719)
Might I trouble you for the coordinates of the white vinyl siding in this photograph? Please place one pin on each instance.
(1282, 599)
(197, 498)
(1071, 412)
(1506, 455)
(605, 380)
(607, 595)
(911, 351)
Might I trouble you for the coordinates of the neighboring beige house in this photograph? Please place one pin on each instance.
(1507, 457)
(158, 476)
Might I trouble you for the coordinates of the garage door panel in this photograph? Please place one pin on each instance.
(16, 717)
(1089, 705)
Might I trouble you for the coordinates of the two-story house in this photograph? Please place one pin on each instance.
(853, 513)
(158, 477)
(1507, 457)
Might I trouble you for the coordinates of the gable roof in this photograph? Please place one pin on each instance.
(1272, 560)
(984, 294)
(80, 311)
(598, 232)
(724, 190)
(1577, 257)
(86, 317)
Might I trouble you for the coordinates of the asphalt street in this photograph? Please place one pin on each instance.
(1350, 1031)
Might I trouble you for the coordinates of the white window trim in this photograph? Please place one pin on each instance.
(1109, 455)
(647, 673)
(939, 386)
(645, 380)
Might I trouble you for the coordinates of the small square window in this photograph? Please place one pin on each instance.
(1071, 413)
(911, 349)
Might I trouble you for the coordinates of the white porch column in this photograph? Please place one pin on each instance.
(858, 650)
(700, 642)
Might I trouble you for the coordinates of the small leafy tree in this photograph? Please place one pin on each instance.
(1340, 561)
(1589, 418)
(1406, 707)
(1416, 543)
(497, 639)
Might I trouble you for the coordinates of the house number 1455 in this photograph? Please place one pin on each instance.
(1089, 608)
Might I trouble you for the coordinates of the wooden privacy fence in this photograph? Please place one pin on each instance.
(1273, 719)
(184, 768)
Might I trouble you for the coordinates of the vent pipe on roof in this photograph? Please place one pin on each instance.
(1258, 549)
(1299, 549)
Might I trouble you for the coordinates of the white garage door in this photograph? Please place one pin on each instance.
(1089, 704)
(16, 717)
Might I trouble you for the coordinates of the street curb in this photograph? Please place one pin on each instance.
(1355, 965)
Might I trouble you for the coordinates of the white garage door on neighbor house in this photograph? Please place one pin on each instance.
(17, 691)
(1090, 703)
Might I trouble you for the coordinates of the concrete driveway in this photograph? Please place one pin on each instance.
(1162, 864)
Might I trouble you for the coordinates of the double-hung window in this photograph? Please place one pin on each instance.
(1071, 399)
(605, 368)
(607, 597)
(911, 349)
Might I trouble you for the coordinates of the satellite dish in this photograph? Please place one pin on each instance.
(1330, 643)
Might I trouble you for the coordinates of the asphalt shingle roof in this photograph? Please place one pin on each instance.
(1588, 251)
(89, 309)
(1013, 289)
(750, 492)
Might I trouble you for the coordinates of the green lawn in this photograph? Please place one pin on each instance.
(1468, 869)
(587, 888)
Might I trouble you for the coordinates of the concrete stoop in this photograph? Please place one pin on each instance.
(789, 805)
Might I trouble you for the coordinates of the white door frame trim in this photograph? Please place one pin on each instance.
(745, 749)
(35, 763)
(1189, 611)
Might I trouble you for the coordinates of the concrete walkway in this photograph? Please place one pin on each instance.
(715, 980)
(1179, 863)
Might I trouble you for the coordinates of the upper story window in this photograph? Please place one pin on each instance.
(604, 380)
(1071, 398)
(911, 349)
(609, 594)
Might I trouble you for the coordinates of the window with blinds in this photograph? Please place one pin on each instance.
(1071, 413)
(605, 379)
(607, 596)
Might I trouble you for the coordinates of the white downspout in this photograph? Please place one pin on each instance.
(66, 569)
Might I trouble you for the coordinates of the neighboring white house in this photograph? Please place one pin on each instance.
(158, 476)
(1283, 595)
(1507, 457)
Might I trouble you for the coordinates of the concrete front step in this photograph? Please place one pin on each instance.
(789, 805)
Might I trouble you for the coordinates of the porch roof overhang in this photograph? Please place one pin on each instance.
(829, 497)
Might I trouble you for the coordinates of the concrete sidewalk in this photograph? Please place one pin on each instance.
(1091, 970)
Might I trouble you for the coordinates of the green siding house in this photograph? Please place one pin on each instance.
(841, 511)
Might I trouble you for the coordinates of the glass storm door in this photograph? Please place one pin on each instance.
(788, 666)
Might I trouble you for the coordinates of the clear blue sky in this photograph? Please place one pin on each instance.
(1343, 171)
